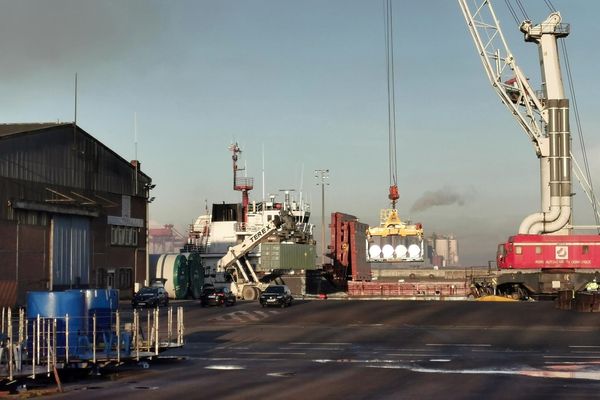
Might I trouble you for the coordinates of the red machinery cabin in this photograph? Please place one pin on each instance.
(550, 252)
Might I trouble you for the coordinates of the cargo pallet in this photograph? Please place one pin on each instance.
(42, 346)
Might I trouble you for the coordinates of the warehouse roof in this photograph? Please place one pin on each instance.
(7, 130)
(11, 129)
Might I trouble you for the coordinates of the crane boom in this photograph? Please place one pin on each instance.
(504, 74)
(239, 251)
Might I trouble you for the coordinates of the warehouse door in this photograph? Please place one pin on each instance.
(70, 251)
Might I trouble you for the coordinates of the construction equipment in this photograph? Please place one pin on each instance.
(234, 269)
(393, 240)
(545, 256)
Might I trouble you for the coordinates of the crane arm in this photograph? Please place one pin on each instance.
(235, 253)
(504, 74)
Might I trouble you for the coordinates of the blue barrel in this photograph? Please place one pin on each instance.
(58, 305)
(102, 302)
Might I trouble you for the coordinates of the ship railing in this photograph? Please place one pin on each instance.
(244, 182)
(243, 227)
(30, 346)
(193, 248)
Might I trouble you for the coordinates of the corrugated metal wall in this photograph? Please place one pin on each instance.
(70, 251)
(8, 293)
(55, 156)
(23, 265)
(32, 273)
(8, 250)
(287, 256)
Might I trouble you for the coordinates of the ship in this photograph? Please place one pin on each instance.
(228, 224)
(212, 234)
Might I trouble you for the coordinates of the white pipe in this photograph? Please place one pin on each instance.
(536, 219)
(555, 225)
(584, 227)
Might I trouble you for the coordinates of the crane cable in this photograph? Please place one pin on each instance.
(512, 12)
(550, 5)
(389, 49)
(522, 8)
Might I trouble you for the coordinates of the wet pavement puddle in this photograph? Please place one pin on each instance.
(225, 367)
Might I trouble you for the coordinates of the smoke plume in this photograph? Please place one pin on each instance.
(443, 197)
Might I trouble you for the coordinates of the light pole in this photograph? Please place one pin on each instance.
(322, 174)
(148, 187)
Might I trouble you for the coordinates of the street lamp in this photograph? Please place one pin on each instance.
(322, 174)
(148, 187)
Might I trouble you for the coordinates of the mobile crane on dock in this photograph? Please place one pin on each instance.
(545, 256)
(234, 269)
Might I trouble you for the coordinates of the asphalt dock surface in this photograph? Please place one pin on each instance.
(368, 350)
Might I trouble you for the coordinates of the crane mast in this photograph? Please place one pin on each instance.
(544, 116)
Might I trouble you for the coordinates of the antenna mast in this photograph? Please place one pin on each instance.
(241, 183)
(75, 115)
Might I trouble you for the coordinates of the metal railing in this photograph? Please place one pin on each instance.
(34, 345)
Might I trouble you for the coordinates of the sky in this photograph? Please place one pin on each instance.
(306, 82)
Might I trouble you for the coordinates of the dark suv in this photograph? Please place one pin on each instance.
(276, 295)
(153, 296)
(212, 296)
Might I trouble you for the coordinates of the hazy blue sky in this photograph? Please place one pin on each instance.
(307, 80)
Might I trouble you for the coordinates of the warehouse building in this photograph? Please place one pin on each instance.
(73, 213)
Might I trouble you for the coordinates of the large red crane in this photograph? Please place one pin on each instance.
(545, 256)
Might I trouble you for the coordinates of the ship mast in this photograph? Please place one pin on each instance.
(241, 183)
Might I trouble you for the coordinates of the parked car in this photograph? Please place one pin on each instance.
(276, 295)
(221, 296)
(150, 296)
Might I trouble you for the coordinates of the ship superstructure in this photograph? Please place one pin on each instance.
(229, 224)
(212, 234)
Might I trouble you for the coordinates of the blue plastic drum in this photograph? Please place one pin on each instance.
(58, 305)
(104, 303)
